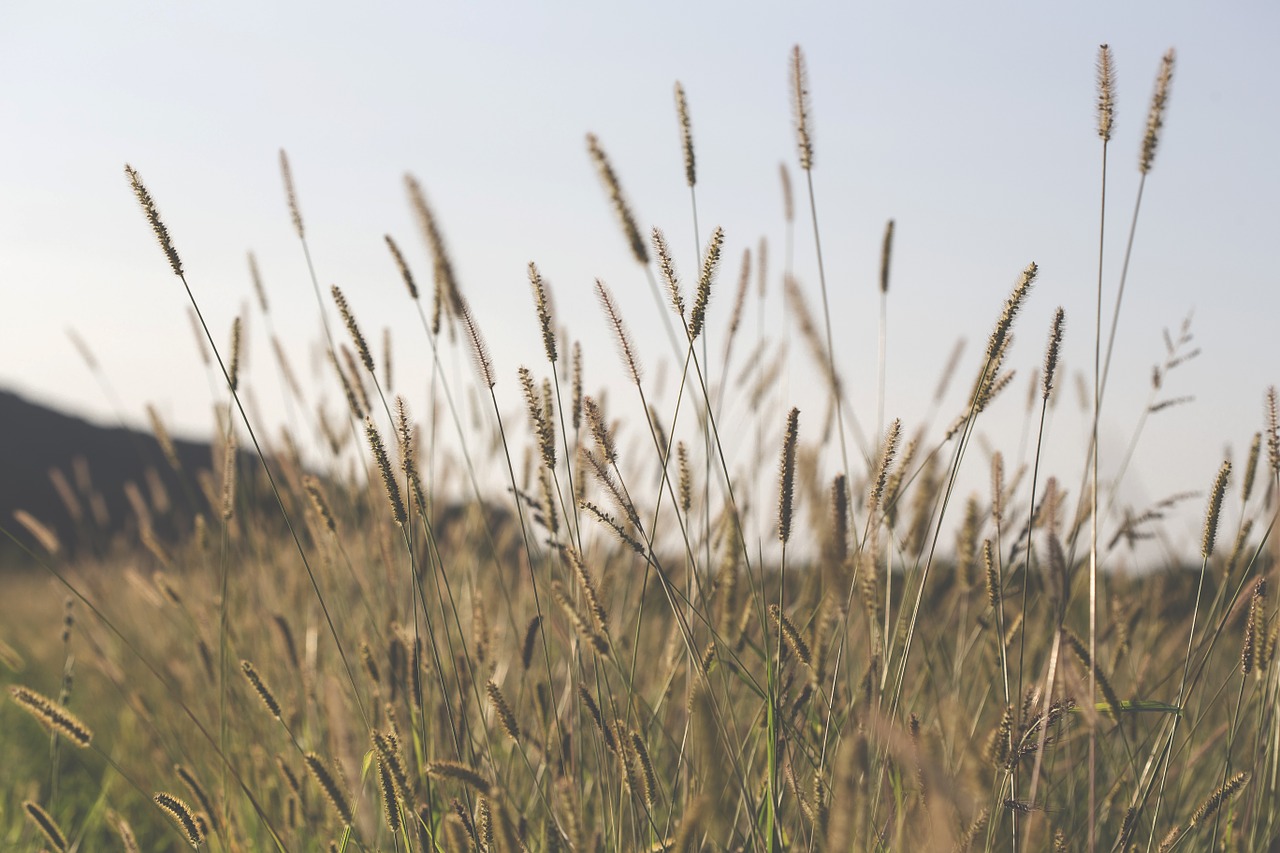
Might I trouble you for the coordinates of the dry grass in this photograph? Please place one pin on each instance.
(634, 642)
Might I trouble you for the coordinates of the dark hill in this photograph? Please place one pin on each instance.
(73, 477)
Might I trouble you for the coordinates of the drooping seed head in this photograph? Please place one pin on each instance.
(294, 213)
(403, 266)
(183, 816)
(625, 346)
(46, 824)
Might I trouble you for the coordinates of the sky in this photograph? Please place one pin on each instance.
(971, 125)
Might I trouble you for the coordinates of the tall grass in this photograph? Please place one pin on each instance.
(583, 629)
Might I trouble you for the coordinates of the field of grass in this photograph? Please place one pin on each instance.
(633, 642)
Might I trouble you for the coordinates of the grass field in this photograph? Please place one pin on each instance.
(631, 642)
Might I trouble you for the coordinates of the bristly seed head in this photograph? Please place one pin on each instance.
(542, 303)
(667, 267)
(357, 338)
(620, 331)
(183, 816)
(1273, 431)
(1106, 92)
(46, 824)
(686, 136)
(886, 253)
(801, 107)
(786, 489)
(710, 263)
(153, 217)
(402, 266)
(887, 453)
(294, 213)
(610, 180)
(1155, 117)
(388, 475)
(1215, 509)
(1051, 354)
(996, 344)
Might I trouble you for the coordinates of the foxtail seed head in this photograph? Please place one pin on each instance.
(619, 201)
(153, 217)
(1051, 354)
(686, 136)
(1106, 92)
(787, 478)
(1215, 509)
(801, 107)
(1155, 116)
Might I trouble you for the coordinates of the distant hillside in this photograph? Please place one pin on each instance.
(73, 476)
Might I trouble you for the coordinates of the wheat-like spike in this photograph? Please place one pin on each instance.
(357, 337)
(1215, 800)
(163, 438)
(887, 453)
(233, 371)
(627, 349)
(740, 297)
(388, 746)
(153, 217)
(1155, 116)
(329, 785)
(792, 637)
(124, 830)
(197, 791)
(295, 215)
(1104, 684)
(542, 304)
(606, 732)
(256, 278)
(612, 523)
(479, 349)
(1106, 92)
(647, 774)
(710, 263)
(459, 772)
(686, 136)
(997, 343)
(260, 687)
(1215, 509)
(597, 639)
(801, 108)
(667, 267)
(403, 266)
(158, 226)
(787, 478)
(51, 715)
(390, 804)
(616, 197)
(577, 386)
(182, 815)
(993, 576)
(446, 283)
(1273, 430)
(356, 377)
(685, 477)
(318, 503)
(505, 716)
(1255, 626)
(41, 532)
(600, 431)
(588, 586)
(530, 637)
(606, 480)
(388, 475)
(46, 824)
(408, 455)
(1051, 354)
(229, 476)
(1251, 467)
(839, 519)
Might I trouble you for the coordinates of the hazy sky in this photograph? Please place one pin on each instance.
(970, 124)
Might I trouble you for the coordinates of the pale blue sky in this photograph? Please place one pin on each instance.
(970, 124)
